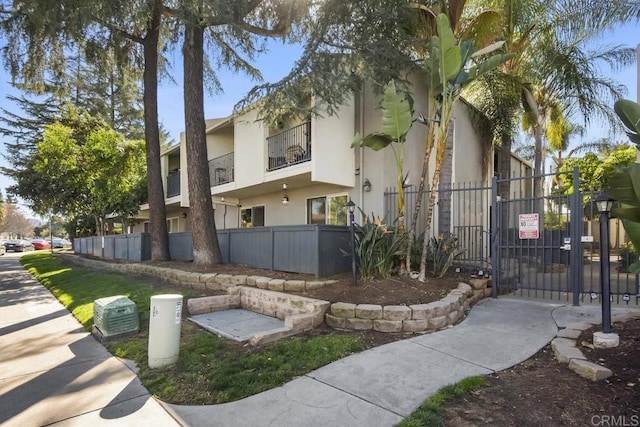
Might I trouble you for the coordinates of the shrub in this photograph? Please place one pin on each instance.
(628, 255)
(443, 251)
(378, 248)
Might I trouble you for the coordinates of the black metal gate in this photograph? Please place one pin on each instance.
(548, 246)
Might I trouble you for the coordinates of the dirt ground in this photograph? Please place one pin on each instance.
(543, 392)
(385, 291)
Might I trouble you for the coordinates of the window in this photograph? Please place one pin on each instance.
(252, 217)
(327, 210)
(317, 210)
(172, 225)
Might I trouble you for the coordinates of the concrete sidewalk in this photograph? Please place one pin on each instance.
(52, 372)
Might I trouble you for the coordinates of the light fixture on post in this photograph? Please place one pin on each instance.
(606, 339)
(366, 185)
(352, 207)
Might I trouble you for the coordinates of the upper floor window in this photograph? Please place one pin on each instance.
(327, 210)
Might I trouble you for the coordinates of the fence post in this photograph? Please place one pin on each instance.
(495, 233)
(576, 270)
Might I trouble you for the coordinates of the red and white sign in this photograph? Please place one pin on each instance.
(528, 226)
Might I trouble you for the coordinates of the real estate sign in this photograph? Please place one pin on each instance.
(528, 226)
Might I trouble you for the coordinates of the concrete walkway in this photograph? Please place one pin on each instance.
(54, 373)
(381, 386)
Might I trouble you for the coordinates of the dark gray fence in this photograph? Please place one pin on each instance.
(311, 249)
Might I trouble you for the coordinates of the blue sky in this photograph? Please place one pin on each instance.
(274, 64)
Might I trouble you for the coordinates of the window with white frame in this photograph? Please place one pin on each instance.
(252, 217)
(172, 225)
(327, 210)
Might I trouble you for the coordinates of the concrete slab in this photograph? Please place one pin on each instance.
(396, 376)
(302, 402)
(44, 397)
(237, 324)
(568, 315)
(486, 347)
(130, 413)
(52, 371)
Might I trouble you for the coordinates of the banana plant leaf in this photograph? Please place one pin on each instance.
(624, 185)
(629, 113)
(397, 119)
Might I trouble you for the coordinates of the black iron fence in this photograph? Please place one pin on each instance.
(537, 246)
(173, 184)
(462, 210)
(289, 147)
(221, 169)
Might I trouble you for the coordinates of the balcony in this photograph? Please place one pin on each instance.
(173, 184)
(221, 169)
(289, 147)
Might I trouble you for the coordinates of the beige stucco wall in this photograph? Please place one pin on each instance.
(220, 142)
(250, 150)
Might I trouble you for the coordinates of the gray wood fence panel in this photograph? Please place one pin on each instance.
(223, 241)
(121, 247)
(309, 249)
(109, 249)
(181, 246)
(252, 247)
(331, 259)
(295, 249)
(96, 247)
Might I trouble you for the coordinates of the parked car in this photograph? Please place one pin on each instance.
(18, 245)
(61, 243)
(40, 244)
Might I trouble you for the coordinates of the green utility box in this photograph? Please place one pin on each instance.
(114, 317)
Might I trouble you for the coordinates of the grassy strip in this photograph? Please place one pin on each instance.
(429, 414)
(210, 369)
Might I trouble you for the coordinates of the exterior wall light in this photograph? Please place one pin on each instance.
(366, 186)
(285, 200)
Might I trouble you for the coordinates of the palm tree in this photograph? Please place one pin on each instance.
(550, 63)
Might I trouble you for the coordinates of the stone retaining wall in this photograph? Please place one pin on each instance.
(412, 318)
(393, 318)
(299, 313)
(210, 281)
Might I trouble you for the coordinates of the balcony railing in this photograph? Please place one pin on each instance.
(221, 169)
(289, 147)
(173, 184)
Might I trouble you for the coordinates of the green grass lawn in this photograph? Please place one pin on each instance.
(210, 369)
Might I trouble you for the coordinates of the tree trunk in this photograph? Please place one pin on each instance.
(155, 191)
(538, 177)
(205, 239)
(422, 277)
(416, 209)
(445, 185)
(504, 166)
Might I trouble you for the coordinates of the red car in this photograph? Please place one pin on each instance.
(40, 244)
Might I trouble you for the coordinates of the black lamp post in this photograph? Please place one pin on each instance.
(352, 207)
(605, 204)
